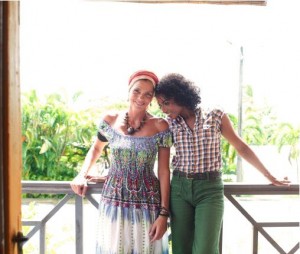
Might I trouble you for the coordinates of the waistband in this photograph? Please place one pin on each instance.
(198, 176)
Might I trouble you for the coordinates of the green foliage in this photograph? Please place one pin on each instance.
(155, 110)
(260, 127)
(55, 137)
(259, 123)
(263, 128)
(228, 152)
(288, 135)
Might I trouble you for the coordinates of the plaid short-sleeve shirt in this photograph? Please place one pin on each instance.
(198, 150)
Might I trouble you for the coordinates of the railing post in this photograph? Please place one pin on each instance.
(79, 224)
(255, 240)
(42, 239)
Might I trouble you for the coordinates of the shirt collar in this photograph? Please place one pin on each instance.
(179, 119)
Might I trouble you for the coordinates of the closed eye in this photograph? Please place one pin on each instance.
(149, 95)
(164, 103)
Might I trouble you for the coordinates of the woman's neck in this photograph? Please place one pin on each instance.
(187, 114)
(136, 116)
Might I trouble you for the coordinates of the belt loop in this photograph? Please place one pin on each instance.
(176, 175)
(207, 175)
(189, 176)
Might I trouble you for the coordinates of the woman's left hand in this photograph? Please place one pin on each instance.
(79, 185)
(158, 228)
(274, 181)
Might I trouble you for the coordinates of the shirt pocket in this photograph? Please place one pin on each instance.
(208, 133)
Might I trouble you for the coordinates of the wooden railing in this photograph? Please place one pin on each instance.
(232, 191)
(235, 190)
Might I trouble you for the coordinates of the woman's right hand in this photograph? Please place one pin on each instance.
(79, 185)
(158, 228)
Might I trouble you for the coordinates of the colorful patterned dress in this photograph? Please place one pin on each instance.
(130, 198)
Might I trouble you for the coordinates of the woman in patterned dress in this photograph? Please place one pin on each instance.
(134, 205)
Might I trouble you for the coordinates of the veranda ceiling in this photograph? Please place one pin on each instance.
(223, 2)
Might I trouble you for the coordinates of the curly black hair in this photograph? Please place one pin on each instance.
(176, 87)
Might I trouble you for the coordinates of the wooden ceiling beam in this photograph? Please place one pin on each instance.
(223, 2)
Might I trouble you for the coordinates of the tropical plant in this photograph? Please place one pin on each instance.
(259, 123)
(228, 152)
(289, 136)
(55, 137)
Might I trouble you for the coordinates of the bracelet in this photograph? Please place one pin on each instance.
(164, 209)
(164, 212)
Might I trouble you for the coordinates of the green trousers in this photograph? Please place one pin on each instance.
(197, 208)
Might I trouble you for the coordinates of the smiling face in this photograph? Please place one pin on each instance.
(141, 94)
(169, 107)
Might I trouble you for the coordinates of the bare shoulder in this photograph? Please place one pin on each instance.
(110, 117)
(159, 123)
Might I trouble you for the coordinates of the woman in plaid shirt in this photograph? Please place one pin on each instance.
(197, 193)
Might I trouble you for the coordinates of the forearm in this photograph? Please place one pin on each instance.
(248, 154)
(164, 179)
(90, 160)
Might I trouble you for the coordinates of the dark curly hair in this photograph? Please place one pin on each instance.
(176, 87)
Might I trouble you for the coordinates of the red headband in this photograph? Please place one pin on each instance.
(143, 75)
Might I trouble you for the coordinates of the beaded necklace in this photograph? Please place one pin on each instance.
(130, 129)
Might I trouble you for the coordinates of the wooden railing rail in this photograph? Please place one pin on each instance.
(231, 191)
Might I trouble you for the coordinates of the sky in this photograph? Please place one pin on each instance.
(94, 46)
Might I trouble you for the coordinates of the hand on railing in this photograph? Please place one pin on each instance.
(80, 183)
(274, 181)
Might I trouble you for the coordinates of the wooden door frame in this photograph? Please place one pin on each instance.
(2, 220)
(10, 127)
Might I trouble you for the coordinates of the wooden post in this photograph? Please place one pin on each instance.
(10, 129)
(239, 166)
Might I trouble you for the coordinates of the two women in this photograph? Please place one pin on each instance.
(134, 206)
